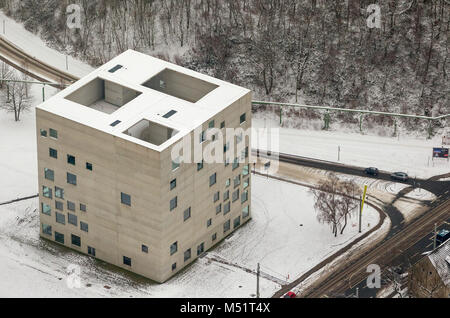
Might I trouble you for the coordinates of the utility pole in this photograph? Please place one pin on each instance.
(3, 26)
(257, 281)
(67, 63)
(357, 292)
(339, 153)
(360, 212)
(435, 234)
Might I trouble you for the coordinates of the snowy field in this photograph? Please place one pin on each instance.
(406, 154)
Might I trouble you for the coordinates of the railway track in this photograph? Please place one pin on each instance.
(24, 62)
(382, 254)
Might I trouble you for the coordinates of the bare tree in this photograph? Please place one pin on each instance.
(15, 98)
(347, 202)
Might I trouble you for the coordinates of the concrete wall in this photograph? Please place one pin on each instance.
(89, 93)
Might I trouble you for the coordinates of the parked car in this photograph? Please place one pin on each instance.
(442, 236)
(400, 176)
(371, 171)
(290, 295)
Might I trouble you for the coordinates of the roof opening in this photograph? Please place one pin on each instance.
(103, 95)
(170, 114)
(151, 132)
(114, 124)
(115, 68)
(180, 85)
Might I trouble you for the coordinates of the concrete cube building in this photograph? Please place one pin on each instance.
(109, 183)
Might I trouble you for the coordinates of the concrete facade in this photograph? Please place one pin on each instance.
(120, 204)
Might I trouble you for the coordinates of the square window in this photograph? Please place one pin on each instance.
(84, 227)
(174, 266)
(59, 237)
(235, 196)
(144, 248)
(214, 237)
(70, 206)
(245, 212)
(49, 174)
(76, 240)
(226, 195)
(173, 184)
(218, 208)
(226, 226)
(59, 205)
(71, 178)
(226, 208)
(59, 192)
(212, 179)
(46, 209)
(209, 223)
(91, 251)
(46, 229)
(200, 166)
(127, 261)
(53, 133)
(89, 166)
(200, 249)
(82, 207)
(173, 248)
(211, 124)
(53, 153)
(125, 199)
(71, 159)
(47, 192)
(173, 203)
(60, 218)
(216, 196)
(187, 214)
(237, 222)
(242, 118)
(72, 219)
(187, 255)
(222, 125)
(43, 133)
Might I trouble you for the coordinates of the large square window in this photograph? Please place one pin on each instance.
(59, 237)
(53, 133)
(71, 178)
(187, 214)
(187, 255)
(200, 249)
(72, 219)
(127, 261)
(47, 192)
(46, 209)
(173, 203)
(212, 179)
(226, 226)
(59, 205)
(59, 193)
(173, 184)
(60, 218)
(49, 174)
(46, 229)
(71, 159)
(173, 248)
(76, 240)
(84, 227)
(53, 153)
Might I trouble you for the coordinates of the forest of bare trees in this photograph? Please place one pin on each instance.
(316, 51)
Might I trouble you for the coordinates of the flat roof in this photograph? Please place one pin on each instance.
(131, 70)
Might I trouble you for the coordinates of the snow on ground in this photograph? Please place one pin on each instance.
(421, 194)
(33, 45)
(406, 154)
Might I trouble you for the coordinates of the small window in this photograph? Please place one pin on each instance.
(244, 196)
(43, 133)
(53, 153)
(173, 248)
(115, 68)
(187, 255)
(114, 124)
(59, 192)
(82, 207)
(200, 249)
(71, 159)
(212, 179)
(200, 166)
(226, 226)
(242, 118)
(53, 133)
(89, 166)
(214, 237)
(227, 183)
(216, 196)
(236, 163)
(72, 219)
(91, 251)
(127, 261)
(125, 199)
(46, 209)
(46, 229)
(245, 212)
(218, 208)
(226, 147)
(47, 192)
(209, 223)
(70, 206)
(237, 222)
(226, 208)
(173, 203)
(76, 240)
(246, 183)
(144, 248)
(173, 184)
(202, 137)
(211, 124)
(226, 195)
(222, 125)
(170, 114)
(174, 266)
(59, 205)
(245, 170)
(187, 214)
(175, 164)
(84, 227)
(71, 178)
(60, 218)
(237, 181)
(49, 174)
(235, 195)
(59, 237)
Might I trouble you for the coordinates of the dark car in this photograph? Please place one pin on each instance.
(290, 295)
(442, 236)
(371, 171)
(400, 176)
